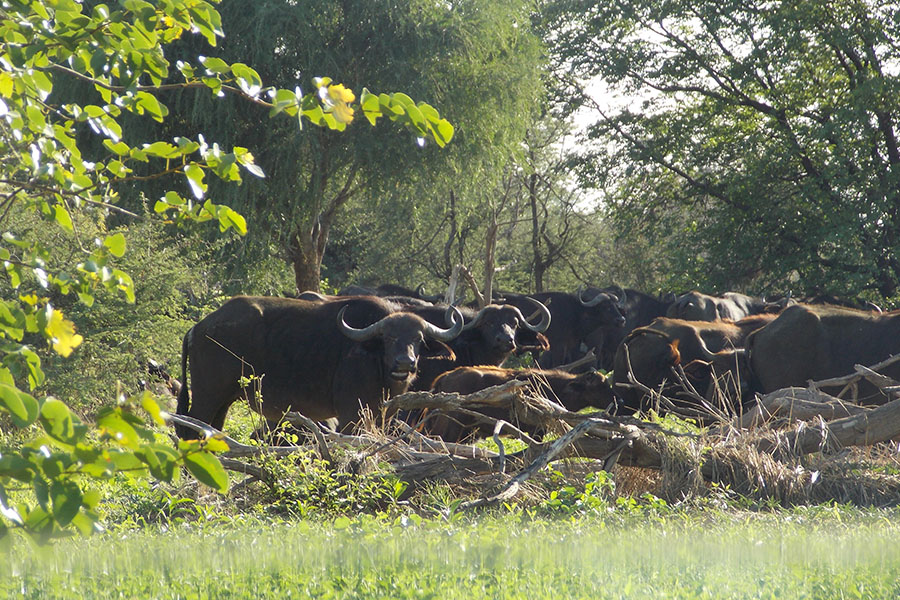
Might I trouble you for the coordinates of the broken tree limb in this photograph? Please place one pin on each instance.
(512, 487)
(872, 426)
(423, 442)
(856, 375)
(255, 472)
(298, 420)
(796, 404)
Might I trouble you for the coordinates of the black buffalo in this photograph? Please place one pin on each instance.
(574, 317)
(695, 306)
(390, 290)
(324, 359)
(574, 392)
(489, 337)
(639, 308)
(814, 342)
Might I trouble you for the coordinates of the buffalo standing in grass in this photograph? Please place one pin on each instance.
(574, 392)
(324, 359)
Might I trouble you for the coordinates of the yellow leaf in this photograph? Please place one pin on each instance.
(62, 334)
(6, 84)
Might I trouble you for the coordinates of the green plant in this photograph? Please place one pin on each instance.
(118, 52)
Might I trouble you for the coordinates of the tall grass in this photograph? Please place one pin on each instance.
(770, 556)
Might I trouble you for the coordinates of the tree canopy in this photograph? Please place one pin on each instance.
(755, 141)
(119, 54)
(477, 58)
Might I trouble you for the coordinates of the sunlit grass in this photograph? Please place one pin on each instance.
(801, 554)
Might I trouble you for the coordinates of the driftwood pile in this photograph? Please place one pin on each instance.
(790, 446)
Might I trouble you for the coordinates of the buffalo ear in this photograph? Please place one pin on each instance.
(698, 369)
(529, 341)
(435, 349)
(675, 354)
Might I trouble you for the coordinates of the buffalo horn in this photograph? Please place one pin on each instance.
(593, 301)
(619, 293)
(708, 355)
(359, 335)
(544, 323)
(453, 316)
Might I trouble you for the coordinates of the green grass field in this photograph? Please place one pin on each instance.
(826, 553)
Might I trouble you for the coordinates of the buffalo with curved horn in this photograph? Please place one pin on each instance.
(574, 316)
(489, 337)
(322, 358)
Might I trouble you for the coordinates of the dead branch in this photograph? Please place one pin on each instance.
(864, 429)
(543, 460)
(255, 472)
(473, 285)
(795, 404)
(860, 372)
(298, 420)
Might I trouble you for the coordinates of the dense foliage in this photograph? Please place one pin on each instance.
(754, 143)
(47, 180)
(477, 60)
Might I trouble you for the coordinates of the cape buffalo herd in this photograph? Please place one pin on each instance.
(331, 357)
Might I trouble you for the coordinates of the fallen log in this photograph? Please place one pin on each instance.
(796, 404)
(872, 426)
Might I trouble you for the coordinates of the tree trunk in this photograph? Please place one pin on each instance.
(306, 259)
(308, 243)
(539, 266)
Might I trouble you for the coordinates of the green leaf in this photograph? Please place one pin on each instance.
(207, 469)
(215, 65)
(194, 174)
(59, 422)
(162, 150)
(229, 218)
(16, 467)
(66, 498)
(22, 407)
(116, 244)
(149, 404)
(248, 79)
(148, 103)
(118, 429)
(62, 217)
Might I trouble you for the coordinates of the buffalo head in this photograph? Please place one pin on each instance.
(401, 335)
(607, 308)
(498, 323)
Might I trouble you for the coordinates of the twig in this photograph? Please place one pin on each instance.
(295, 419)
(512, 487)
(502, 451)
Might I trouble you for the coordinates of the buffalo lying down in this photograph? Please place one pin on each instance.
(322, 359)
(572, 391)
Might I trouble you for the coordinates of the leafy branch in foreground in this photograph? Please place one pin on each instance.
(119, 51)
